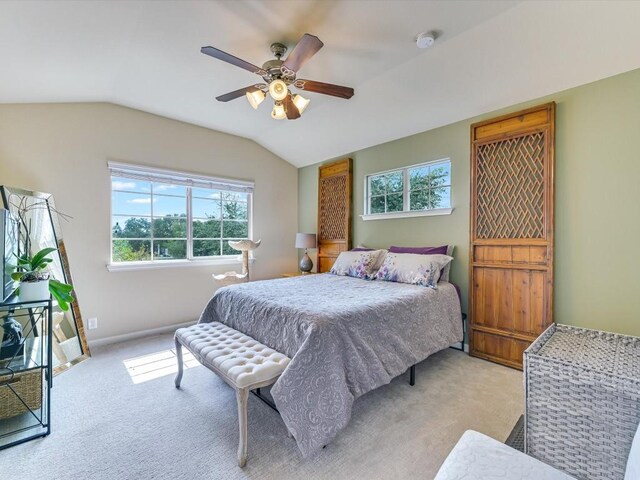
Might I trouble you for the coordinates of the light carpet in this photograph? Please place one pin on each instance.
(105, 426)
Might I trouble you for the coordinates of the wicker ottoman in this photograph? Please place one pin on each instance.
(582, 392)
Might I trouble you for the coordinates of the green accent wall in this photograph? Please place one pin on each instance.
(597, 259)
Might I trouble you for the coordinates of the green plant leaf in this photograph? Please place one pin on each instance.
(62, 303)
(37, 259)
(63, 287)
(16, 276)
(61, 292)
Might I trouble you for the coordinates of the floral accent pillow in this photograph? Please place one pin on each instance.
(413, 268)
(358, 264)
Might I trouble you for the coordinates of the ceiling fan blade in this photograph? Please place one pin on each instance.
(238, 93)
(290, 108)
(325, 88)
(306, 48)
(227, 57)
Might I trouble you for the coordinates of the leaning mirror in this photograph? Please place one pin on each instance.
(39, 227)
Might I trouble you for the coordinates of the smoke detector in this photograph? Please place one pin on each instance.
(425, 39)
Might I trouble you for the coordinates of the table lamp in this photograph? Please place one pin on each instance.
(306, 240)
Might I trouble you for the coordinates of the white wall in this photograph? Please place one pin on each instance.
(63, 149)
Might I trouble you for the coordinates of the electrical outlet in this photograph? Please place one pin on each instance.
(92, 323)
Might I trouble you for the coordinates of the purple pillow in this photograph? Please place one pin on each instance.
(420, 250)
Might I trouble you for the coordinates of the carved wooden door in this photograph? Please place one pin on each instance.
(511, 250)
(334, 212)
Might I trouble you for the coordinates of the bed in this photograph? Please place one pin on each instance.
(345, 337)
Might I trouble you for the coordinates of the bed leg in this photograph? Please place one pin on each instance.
(412, 375)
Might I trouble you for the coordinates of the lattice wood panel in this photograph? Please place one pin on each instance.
(333, 208)
(511, 251)
(334, 212)
(510, 188)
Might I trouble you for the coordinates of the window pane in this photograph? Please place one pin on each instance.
(227, 250)
(129, 185)
(207, 228)
(234, 196)
(168, 189)
(441, 197)
(130, 227)
(206, 248)
(133, 204)
(169, 249)
(131, 250)
(170, 227)
(419, 178)
(234, 210)
(394, 182)
(174, 206)
(377, 185)
(377, 204)
(394, 202)
(419, 200)
(440, 174)
(205, 193)
(205, 208)
(235, 229)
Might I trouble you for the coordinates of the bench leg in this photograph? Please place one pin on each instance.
(180, 366)
(242, 396)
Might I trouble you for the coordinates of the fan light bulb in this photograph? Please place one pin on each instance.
(278, 112)
(278, 90)
(255, 98)
(300, 102)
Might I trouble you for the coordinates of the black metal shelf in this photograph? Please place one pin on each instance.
(25, 415)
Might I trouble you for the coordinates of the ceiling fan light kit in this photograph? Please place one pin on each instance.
(279, 76)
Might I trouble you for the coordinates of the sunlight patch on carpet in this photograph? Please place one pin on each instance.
(155, 365)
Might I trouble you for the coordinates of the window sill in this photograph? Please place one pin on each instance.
(422, 213)
(130, 266)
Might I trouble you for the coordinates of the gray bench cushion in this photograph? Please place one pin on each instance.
(239, 358)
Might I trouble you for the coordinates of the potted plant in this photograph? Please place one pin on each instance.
(35, 282)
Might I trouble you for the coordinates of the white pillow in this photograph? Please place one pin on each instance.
(413, 268)
(358, 264)
(445, 273)
(633, 462)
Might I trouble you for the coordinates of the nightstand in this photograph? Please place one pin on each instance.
(297, 274)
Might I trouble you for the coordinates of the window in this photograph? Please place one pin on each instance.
(423, 189)
(162, 216)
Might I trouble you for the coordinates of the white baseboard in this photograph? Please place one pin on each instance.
(138, 334)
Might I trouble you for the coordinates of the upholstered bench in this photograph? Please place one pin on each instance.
(238, 359)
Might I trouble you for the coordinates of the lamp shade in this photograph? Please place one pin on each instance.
(255, 98)
(278, 112)
(305, 240)
(278, 90)
(300, 102)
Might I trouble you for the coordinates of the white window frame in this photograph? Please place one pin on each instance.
(406, 190)
(150, 174)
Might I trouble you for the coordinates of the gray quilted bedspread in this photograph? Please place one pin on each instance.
(345, 337)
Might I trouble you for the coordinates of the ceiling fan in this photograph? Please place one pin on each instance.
(279, 76)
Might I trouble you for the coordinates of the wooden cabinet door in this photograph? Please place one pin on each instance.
(511, 232)
(334, 212)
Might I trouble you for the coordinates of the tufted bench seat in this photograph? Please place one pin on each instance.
(238, 359)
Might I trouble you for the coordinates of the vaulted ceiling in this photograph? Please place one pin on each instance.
(146, 55)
